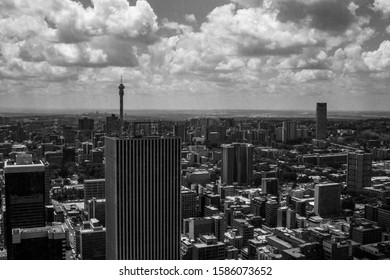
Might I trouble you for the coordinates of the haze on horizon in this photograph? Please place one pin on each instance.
(185, 54)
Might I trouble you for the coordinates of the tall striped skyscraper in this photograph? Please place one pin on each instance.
(143, 198)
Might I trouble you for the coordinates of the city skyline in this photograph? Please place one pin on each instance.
(176, 54)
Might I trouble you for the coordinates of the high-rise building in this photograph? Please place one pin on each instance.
(94, 188)
(291, 219)
(97, 210)
(112, 124)
(180, 130)
(289, 132)
(282, 216)
(188, 204)
(244, 229)
(143, 198)
(270, 186)
(327, 199)
(69, 134)
(40, 243)
(24, 196)
(321, 121)
(271, 213)
(86, 124)
(237, 163)
(359, 169)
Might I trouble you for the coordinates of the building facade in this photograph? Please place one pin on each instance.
(143, 198)
(321, 120)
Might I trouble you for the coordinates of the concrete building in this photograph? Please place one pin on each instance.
(94, 188)
(237, 164)
(209, 248)
(91, 241)
(271, 213)
(359, 170)
(327, 199)
(40, 243)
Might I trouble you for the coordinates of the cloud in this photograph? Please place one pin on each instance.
(382, 6)
(378, 60)
(190, 18)
(256, 31)
(63, 33)
(305, 76)
(326, 15)
(248, 3)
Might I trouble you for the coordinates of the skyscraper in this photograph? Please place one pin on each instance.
(271, 213)
(237, 163)
(121, 93)
(321, 118)
(289, 132)
(24, 196)
(143, 198)
(359, 170)
(327, 199)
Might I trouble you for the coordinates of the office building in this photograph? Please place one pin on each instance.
(359, 167)
(180, 130)
(244, 229)
(91, 241)
(40, 243)
(327, 199)
(209, 248)
(271, 213)
(237, 164)
(24, 196)
(112, 124)
(321, 121)
(188, 204)
(282, 216)
(143, 198)
(289, 131)
(270, 186)
(94, 188)
(335, 249)
(258, 206)
(97, 210)
(291, 221)
(199, 226)
(367, 233)
(69, 134)
(86, 124)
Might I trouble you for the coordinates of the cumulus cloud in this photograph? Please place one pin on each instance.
(382, 6)
(306, 75)
(246, 46)
(378, 60)
(63, 33)
(190, 18)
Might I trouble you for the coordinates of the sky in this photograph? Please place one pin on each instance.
(203, 54)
